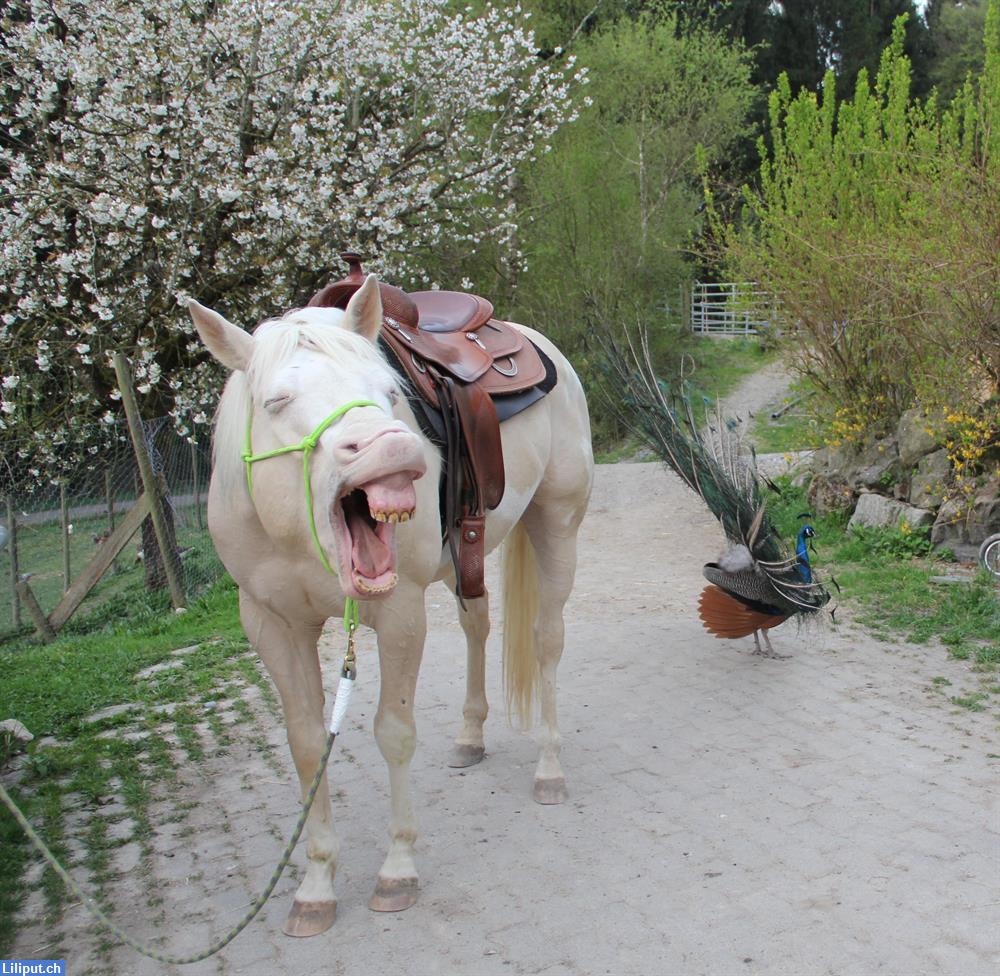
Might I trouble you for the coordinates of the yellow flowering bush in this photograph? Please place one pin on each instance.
(967, 438)
(848, 426)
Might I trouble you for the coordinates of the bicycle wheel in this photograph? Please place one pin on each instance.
(989, 555)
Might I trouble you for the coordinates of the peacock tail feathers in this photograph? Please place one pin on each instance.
(707, 456)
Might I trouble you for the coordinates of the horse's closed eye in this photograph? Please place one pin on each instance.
(275, 403)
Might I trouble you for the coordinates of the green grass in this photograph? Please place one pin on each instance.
(715, 367)
(120, 593)
(52, 688)
(622, 450)
(885, 576)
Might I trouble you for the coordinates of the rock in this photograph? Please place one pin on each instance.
(949, 526)
(112, 711)
(840, 473)
(930, 483)
(913, 439)
(960, 523)
(15, 730)
(874, 466)
(157, 668)
(791, 463)
(830, 493)
(877, 466)
(830, 460)
(877, 511)
(182, 651)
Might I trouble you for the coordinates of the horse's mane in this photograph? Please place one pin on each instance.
(277, 340)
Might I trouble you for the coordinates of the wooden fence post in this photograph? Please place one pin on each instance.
(109, 499)
(45, 630)
(99, 564)
(171, 562)
(66, 529)
(197, 486)
(15, 599)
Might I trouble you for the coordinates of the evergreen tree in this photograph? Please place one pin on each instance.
(956, 39)
(809, 38)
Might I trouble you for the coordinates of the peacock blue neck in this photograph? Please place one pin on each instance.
(802, 554)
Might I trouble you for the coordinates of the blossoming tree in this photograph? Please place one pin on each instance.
(228, 150)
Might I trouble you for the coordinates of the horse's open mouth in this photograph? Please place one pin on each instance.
(365, 521)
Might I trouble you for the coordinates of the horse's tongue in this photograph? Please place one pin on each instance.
(370, 555)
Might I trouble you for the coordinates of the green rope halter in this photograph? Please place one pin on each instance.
(307, 445)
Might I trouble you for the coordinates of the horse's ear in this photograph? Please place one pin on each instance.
(228, 343)
(364, 311)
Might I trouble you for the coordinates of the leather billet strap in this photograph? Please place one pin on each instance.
(471, 556)
(473, 478)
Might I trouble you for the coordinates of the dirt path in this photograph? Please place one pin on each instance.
(829, 814)
(760, 391)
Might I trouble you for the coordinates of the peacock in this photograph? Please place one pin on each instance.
(754, 585)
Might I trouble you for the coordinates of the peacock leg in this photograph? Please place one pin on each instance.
(770, 652)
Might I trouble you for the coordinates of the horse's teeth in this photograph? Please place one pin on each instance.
(394, 517)
(404, 516)
(384, 588)
(379, 516)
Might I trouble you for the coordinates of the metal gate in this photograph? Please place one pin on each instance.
(730, 308)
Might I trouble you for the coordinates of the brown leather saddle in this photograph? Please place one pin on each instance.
(467, 371)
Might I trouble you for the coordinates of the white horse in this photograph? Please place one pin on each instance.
(297, 550)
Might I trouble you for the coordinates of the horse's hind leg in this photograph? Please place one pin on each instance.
(475, 619)
(290, 655)
(554, 544)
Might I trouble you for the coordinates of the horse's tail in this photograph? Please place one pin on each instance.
(520, 610)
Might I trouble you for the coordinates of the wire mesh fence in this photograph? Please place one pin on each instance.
(50, 532)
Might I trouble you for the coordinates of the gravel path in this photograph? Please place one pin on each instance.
(830, 814)
(759, 395)
(760, 392)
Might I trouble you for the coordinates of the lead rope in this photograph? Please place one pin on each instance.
(348, 674)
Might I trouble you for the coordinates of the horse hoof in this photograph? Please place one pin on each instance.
(466, 755)
(549, 791)
(309, 918)
(393, 895)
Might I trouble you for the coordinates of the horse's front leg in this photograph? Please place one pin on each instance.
(291, 658)
(401, 625)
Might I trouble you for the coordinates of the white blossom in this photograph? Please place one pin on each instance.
(229, 150)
